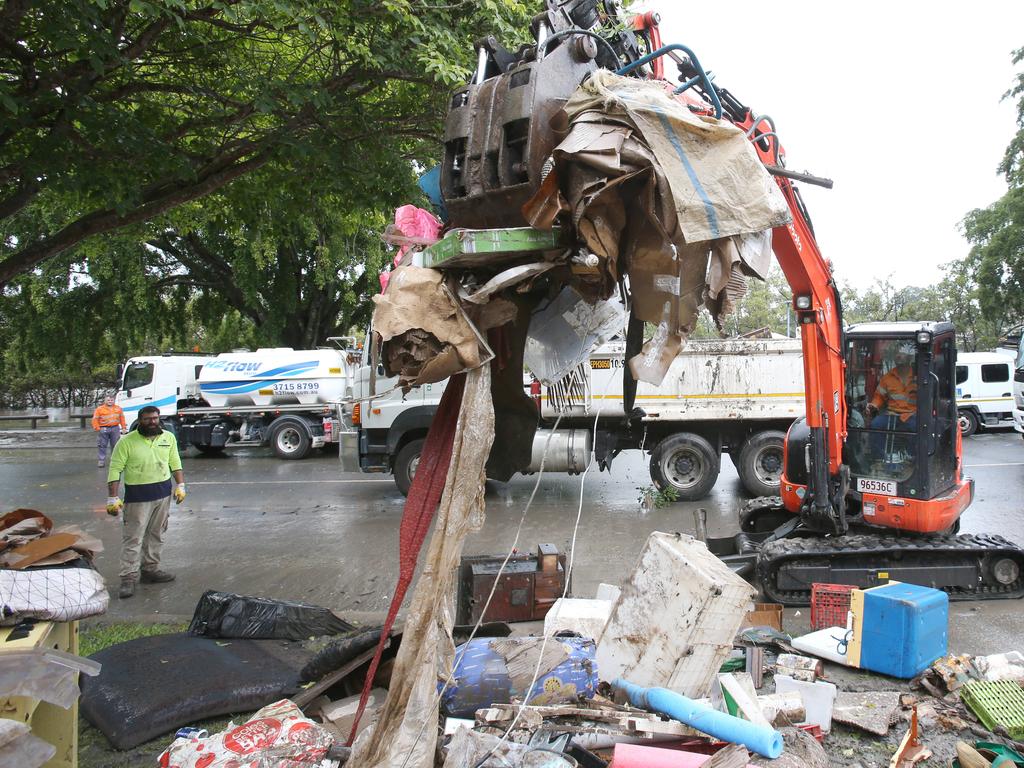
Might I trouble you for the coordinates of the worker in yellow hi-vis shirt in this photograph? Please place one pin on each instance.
(148, 457)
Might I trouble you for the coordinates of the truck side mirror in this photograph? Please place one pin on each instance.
(380, 369)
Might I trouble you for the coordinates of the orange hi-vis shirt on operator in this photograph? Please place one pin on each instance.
(897, 394)
(108, 416)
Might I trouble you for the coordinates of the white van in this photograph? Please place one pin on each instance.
(984, 390)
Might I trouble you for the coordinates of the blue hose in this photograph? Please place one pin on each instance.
(765, 741)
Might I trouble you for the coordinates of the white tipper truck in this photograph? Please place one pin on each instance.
(290, 399)
(1018, 387)
(984, 390)
(737, 396)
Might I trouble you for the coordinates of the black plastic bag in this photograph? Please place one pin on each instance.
(338, 654)
(225, 615)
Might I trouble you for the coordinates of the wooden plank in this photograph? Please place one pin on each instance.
(307, 695)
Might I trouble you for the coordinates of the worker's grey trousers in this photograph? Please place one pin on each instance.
(143, 535)
(106, 436)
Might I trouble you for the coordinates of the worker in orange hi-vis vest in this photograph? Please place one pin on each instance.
(894, 407)
(108, 421)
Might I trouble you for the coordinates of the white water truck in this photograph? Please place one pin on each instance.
(289, 399)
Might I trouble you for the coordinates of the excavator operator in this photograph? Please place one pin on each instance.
(894, 404)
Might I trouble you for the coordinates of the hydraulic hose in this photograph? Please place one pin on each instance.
(765, 741)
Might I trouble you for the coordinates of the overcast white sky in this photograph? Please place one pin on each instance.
(897, 102)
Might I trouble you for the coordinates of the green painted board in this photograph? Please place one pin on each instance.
(485, 247)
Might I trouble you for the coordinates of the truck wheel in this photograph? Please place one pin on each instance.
(761, 462)
(290, 439)
(968, 422)
(405, 464)
(686, 463)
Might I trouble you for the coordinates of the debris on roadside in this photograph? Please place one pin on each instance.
(999, 705)
(47, 573)
(643, 756)
(676, 618)
(586, 617)
(529, 586)
(278, 734)
(871, 711)
(818, 697)
(426, 334)
(339, 716)
(240, 654)
(496, 671)
(947, 674)
(800, 750)
(1001, 666)
(758, 738)
(896, 629)
(18, 747)
(830, 603)
(226, 615)
(911, 750)
(764, 615)
(799, 667)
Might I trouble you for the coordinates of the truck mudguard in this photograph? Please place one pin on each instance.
(413, 419)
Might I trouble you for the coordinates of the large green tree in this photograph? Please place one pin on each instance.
(113, 112)
(299, 263)
(996, 259)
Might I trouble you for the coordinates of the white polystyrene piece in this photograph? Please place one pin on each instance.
(818, 699)
(608, 592)
(674, 623)
(824, 643)
(585, 617)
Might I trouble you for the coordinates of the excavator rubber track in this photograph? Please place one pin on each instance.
(966, 567)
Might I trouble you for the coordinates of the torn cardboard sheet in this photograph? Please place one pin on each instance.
(719, 187)
(653, 190)
(426, 336)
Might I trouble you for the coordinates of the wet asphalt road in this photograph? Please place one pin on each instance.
(303, 530)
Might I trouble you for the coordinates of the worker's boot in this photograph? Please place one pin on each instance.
(156, 577)
(127, 589)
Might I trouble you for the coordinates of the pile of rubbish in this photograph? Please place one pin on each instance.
(47, 573)
(677, 667)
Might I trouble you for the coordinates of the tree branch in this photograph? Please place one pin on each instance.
(98, 222)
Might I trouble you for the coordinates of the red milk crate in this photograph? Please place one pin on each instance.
(829, 605)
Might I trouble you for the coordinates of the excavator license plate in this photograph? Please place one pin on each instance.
(884, 487)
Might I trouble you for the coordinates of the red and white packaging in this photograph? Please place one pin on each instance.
(278, 736)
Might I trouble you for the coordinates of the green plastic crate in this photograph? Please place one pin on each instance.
(484, 247)
(997, 704)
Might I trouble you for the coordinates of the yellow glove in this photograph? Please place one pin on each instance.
(114, 505)
(179, 494)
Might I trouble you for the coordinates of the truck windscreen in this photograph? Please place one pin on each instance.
(137, 375)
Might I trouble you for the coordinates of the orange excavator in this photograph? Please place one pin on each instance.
(872, 485)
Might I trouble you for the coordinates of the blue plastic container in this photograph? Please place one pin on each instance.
(904, 629)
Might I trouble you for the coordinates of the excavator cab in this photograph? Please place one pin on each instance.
(901, 415)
